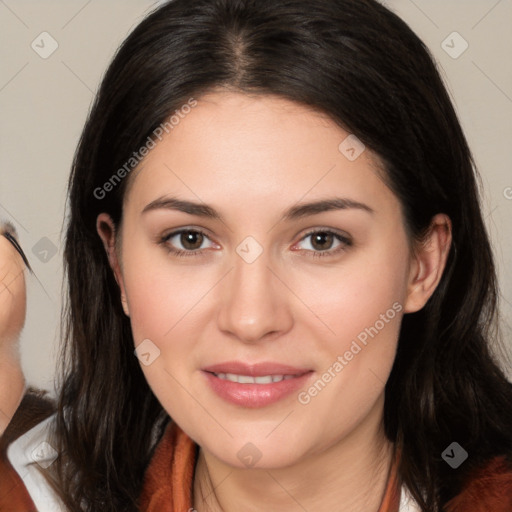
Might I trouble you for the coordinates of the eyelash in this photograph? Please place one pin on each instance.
(346, 242)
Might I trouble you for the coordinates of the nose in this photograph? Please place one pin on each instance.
(254, 302)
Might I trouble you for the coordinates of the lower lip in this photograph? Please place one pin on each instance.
(255, 395)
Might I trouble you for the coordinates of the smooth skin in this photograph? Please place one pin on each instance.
(251, 158)
(12, 318)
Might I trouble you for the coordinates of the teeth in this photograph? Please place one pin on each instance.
(246, 379)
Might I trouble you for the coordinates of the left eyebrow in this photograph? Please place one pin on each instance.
(325, 205)
(293, 213)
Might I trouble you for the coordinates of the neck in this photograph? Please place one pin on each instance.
(12, 389)
(349, 476)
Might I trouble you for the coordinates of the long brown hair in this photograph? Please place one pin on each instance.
(362, 65)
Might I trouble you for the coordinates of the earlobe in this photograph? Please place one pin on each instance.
(429, 262)
(107, 232)
(124, 303)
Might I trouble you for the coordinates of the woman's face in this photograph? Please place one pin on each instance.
(257, 294)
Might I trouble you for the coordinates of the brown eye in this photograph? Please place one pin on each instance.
(322, 240)
(191, 240)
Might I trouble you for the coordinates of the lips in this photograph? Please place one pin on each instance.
(255, 385)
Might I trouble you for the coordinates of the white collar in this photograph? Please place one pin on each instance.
(24, 454)
(33, 448)
(407, 502)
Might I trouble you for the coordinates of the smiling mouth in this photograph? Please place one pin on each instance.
(247, 379)
(255, 391)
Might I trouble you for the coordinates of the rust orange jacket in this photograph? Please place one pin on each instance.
(169, 478)
(168, 483)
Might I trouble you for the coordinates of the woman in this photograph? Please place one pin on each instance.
(274, 207)
(20, 408)
(12, 318)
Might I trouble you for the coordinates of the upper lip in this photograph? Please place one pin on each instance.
(256, 369)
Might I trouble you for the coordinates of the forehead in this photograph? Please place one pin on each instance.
(253, 149)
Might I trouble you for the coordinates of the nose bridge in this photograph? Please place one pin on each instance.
(253, 305)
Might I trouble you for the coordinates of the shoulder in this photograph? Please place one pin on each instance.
(13, 494)
(25, 447)
(34, 407)
(487, 488)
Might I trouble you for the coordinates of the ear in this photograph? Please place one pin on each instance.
(428, 263)
(107, 231)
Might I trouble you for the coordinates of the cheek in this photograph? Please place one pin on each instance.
(349, 299)
(159, 297)
(360, 308)
(159, 293)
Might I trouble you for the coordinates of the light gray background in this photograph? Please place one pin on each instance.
(44, 103)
